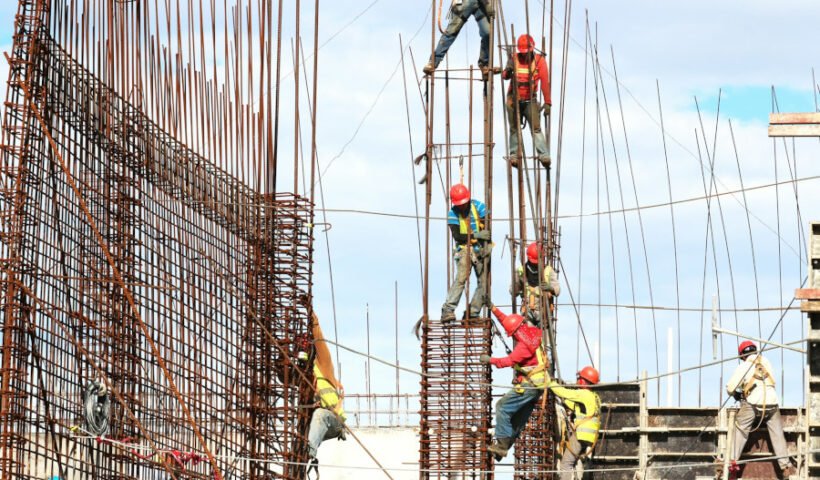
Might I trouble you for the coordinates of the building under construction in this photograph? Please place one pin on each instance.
(158, 181)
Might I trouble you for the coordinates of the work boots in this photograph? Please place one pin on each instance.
(513, 159)
(500, 448)
(545, 160)
(448, 317)
(788, 472)
(429, 68)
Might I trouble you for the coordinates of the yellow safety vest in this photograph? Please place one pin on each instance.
(327, 394)
(586, 406)
(464, 225)
(535, 374)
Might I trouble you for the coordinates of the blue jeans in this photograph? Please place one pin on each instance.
(513, 410)
(324, 425)
(458, 18)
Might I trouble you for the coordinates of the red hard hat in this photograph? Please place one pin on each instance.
(532, 252)
(459, 194)
(745, 347)
(525, 44)
(589, 374)
(511, 323)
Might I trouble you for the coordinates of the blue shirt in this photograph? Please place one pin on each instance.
(455, 225)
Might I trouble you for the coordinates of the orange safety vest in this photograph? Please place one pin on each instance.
(525, 75)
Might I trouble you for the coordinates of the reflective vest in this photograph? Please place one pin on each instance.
(586, 408)
(534, 374)
(464, 225)
(525, 76)
(327, 395)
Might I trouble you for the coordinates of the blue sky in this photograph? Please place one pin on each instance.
(690, 50)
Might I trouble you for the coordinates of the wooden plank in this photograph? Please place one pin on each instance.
(810, 307)
(807, 294)
(810, 130)
(794, 118)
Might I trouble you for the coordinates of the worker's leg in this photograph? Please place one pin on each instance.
(450, 34)
(479, 298)
(513, 122)
(743, 424)
(775, 426)
(505, 410)
(484, 31)
(462, 261)
(323, 425)
(520, 418)
(571, 455)
(533, 115)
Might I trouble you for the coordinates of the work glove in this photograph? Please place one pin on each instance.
(482, 235)
(484, 358)
(738, 396)
(546, 108)
(507, 73)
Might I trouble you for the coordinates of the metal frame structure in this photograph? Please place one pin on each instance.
(132, 259)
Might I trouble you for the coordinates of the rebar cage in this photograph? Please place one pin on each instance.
(131, 260)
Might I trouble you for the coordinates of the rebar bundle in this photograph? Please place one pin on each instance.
(138, 255)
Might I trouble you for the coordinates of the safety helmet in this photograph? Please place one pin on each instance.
(525, 44)
(532, 252)
(589, 375)
(459, 195)
(511, 323)
(746, 347)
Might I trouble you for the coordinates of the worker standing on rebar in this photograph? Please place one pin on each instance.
(529, 360)
(460, 11)
(529, 287)
(580, 431)
(528, 70)
(328, 418)
(752, 384)
(466, 220)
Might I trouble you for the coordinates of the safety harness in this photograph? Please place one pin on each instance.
(535, 374)
(761, 375)
(584, 424)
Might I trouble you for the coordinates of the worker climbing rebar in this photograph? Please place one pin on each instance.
(460, 11)
(529, 287)
(529, 360)
(528, 71)
(327, 420)
(753, 385)
(466, 220)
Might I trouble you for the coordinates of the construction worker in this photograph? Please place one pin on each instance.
(467, 224)
(529, 360)
(584, 410)
(328, 419)
(461, 11)
(752, 384)
(529, 287)
(528, 70)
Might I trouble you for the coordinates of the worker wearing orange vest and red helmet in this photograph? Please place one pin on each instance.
(529, 71)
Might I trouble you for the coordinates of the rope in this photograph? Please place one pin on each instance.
(97, 407)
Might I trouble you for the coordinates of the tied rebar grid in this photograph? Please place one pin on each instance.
(216, 272)
(455, 401)
(535, 447)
